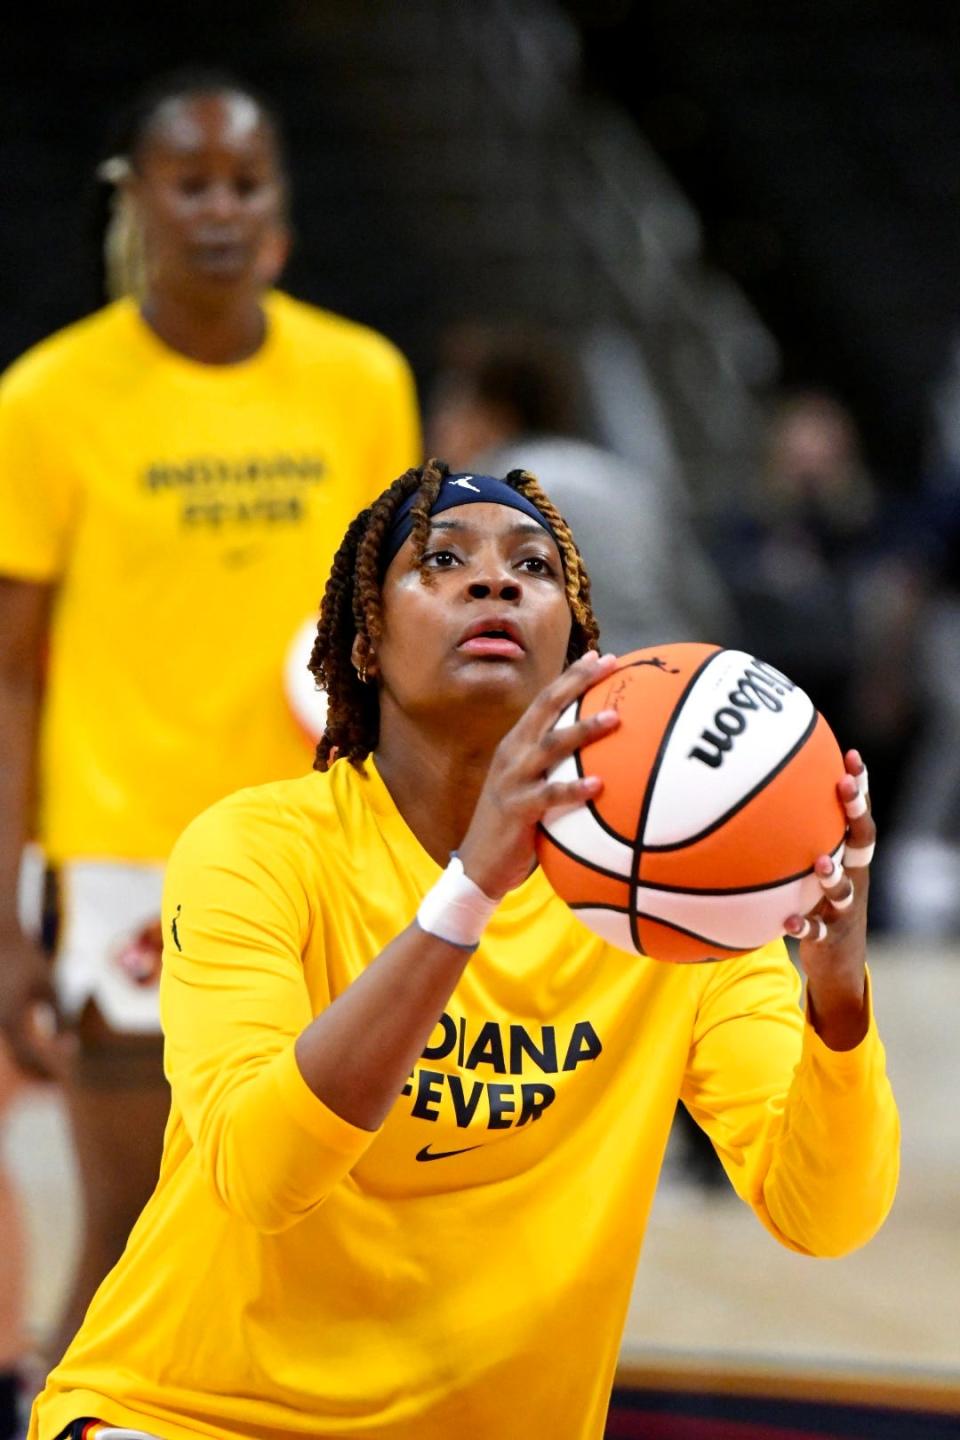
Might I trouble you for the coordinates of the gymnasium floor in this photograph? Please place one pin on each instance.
(717, 1303)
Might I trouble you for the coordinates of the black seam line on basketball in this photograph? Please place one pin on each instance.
(651, 781)
(588, 864)
(624, 840)
(731, 889)
(744, 799)
(591, 804)
(597, 905)
(577, 762)
(693, 934)
(576, 753)
(657, 919)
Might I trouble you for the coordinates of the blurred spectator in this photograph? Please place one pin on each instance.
(920, 868)
(822, 586)
(792, 557)
(509, 397)
(945, 425)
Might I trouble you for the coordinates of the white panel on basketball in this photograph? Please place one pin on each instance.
(739, 921)
(738, 722)
(575, 826)
(611, 925)
(568, 717)
(577, 829)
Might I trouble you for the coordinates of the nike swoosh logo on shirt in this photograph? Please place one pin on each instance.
(427, 1154)
(242, 555)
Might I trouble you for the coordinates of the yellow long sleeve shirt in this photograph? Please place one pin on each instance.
(465, 1270)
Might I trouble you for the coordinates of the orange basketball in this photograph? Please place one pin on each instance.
(719, 794)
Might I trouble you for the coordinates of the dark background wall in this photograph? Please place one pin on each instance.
(820, 143)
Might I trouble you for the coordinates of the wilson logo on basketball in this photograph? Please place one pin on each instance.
(760, 684)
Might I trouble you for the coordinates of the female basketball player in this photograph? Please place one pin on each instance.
(418, 1109)
(174, 468)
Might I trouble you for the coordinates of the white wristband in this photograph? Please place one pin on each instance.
(455, 909)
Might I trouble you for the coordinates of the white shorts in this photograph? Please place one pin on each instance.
(30, 888)
(98, 1430)
(103, 905)
(113, 1433)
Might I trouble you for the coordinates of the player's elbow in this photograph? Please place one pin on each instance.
(262, 1201)
(859, 1225)
(864, 1208)
(843, 1240)
(267, 1214)
(260, 1191)
(834, 1226)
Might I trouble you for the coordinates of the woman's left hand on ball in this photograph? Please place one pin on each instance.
(833, 937)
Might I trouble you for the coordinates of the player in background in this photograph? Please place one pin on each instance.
(419, 1110)
(513, 394)
(176, 471)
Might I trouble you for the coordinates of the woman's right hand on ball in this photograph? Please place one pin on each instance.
(497, 851)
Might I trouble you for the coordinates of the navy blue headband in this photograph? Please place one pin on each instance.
(466, 489)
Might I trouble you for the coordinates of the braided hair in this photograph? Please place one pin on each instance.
(352, 605)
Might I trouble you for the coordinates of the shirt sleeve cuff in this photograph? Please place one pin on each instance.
(310, 1113)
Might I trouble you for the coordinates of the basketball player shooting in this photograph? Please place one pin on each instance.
(419, 1110)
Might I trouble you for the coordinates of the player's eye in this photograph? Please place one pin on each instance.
(191, 185)
(246, 185)
(537, 565)
(440, 559)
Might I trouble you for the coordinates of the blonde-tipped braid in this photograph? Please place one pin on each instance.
(123, 254)
(575, 574)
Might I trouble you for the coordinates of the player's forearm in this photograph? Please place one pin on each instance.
(19, 710)
(838, 1008)
(357, 1055)
(24, 610)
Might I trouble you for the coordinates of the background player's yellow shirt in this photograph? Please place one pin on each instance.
(465, 1271)
(188, 514)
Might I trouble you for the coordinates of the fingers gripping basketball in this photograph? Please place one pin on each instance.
(844, 883)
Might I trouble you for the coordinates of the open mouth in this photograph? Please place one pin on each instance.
(499, 642)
